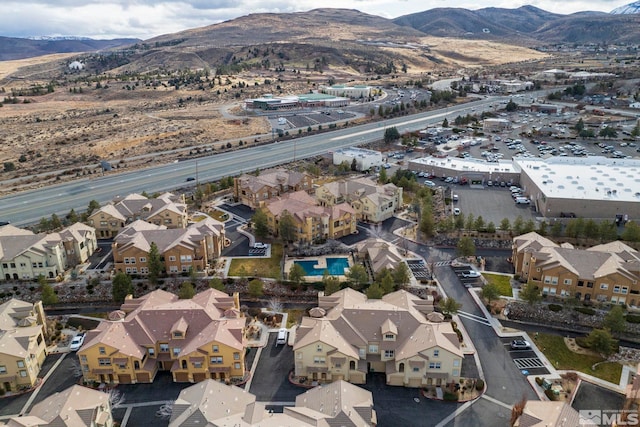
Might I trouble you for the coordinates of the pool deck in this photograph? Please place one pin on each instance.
(321, 263)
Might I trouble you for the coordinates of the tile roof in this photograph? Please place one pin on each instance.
(271, 178)
(136, 205)
(73, 407)
(381, 254)
(14, 338)
(301, 205)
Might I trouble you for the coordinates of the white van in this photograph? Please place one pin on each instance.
(522, 201)
(281, 339)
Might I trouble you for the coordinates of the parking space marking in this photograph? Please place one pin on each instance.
(529, 362)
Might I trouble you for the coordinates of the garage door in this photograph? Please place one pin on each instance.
(181, 377)
(415, 382)
(124, 378)
(143, 377)
(199, 376)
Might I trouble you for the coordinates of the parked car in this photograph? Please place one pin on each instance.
(77, 342)
(259, 245)
(522, 201)
(455, 198)
(456, 211)
(430, 184)
(520, 345)
(470, 274)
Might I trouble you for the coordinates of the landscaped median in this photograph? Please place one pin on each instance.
(501, 282)
(259, 267)
(562, 357)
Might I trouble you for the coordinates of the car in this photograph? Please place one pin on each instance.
(520, 345)
(455, 198)
(489, 183)
(430, 184)
(470, 274)
(190, 179)
(77, 342)
(259, 245)
(522, 201)
(456, 211)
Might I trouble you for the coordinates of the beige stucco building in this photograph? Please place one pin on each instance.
(22, 344)
(181, 249)
(167, 209)
(253, 190)
(348, 336)
(607, 273)
(371, 202)
(313, 223)
(194, 339)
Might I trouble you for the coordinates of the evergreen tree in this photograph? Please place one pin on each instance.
(259, 224)
(121, 286)
(154, 263)
(187, 291)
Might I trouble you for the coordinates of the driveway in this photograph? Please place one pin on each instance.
(270, 381)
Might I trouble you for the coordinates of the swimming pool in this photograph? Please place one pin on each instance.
(335, 266)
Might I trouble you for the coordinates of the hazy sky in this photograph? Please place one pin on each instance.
(148, 18)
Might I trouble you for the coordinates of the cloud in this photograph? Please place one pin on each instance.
(148, 18)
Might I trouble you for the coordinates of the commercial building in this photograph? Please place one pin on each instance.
(167, 209)
(22, 344)
(312, 222)
(348, 336)
(76, 406)
(180, 249)
(194, 339)
(365, 159)
(25, 255)
(370, 201)
(495, 125)
(353, 92)
(308, 100)
(211, 403)
(475, 171)
(591, 187)
(604, 273)
(251, 190)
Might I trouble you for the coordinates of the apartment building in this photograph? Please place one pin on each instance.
(22, 344)
(76, 406)
(180, 249)
(606, 273)
(313, 223)
(348, 336)
(195, 339)
(167, 209)
(371, 202)
(338, 403)
(378, 255)
(252, 190)
(25, 255)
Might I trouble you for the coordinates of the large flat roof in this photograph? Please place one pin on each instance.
(589, 178)
(468, 165)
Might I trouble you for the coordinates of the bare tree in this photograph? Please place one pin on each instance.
(275, 305)
(116, 398)
(165, 410)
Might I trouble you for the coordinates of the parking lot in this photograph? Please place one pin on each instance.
(465, 275)
(525, 359)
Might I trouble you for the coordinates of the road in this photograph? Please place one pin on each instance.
(29, 207)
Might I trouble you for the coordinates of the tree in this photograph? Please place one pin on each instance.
(357, 276)
(556, 229)
(383, 178)
(9, 166)
(331, 285)
(479, 223)
(636, 130)
(386, 282)
(401, 274)
(187, 291)
(48, 294)
(445, 123)
(259, 224)
(518, 225)
(121, 286)
(466, 247)
(55, 222)
(449, 306)
(631, 232)
(256, 288)
(614, 320)
(154, 263)
(72, 217)
(296, 273)
(608, 132)
(490, 292)
(491, 227)
(530, 293)
(579, 127)
(391, 134)
(217, 283)
(511, 106)
(374, 291)
(287, 227)
(600, 340)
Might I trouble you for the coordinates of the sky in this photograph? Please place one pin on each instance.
(104, 19)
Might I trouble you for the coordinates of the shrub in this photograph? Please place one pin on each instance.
(550, 394)
(633, 318)
(480, 385)
(585, 310)
(555, 307)
(582, 342)
(452, 397)
(254, 311)
(539, 381)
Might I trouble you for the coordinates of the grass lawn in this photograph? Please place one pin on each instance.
(261, 267)
(562, 357)
(503, 283)
(219, 215)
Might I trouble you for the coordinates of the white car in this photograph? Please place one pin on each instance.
(455, 198)
(470, 274)
(430, 184)
(259, 245)
(456, 211)
(77, 342)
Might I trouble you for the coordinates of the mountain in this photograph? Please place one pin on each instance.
(19, 48)
(627, 9)
(526, 25)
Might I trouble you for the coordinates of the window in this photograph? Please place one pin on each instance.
(604, 286)
(215, 349)
(85, 368)
(337, 365)
(456, 362)
(144, 270)
(104, 361)
(102, 350)
(236, 366)
(143, 259)
(216, 360)
(434, 365)
(83, 358)
(151, 351)
(319, 360)
(197, 365)
(122, 365)
(319, 347)
(177, 334)
(373, 348)
(567, 281)
(164, 348)
(236, 356)
(616, 289)
(185, 258)
(455, 372)
(3, 369)
(436, 353)
(23, 373)
(136, 364)
(173, 269)
(624, 290)
(390, 337)
(176, 351)
(172, 258)
(362, 353)
(389, 354)
(20, 363)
